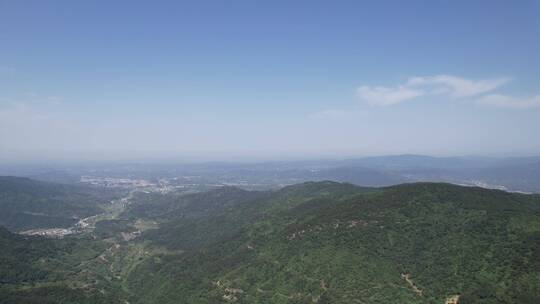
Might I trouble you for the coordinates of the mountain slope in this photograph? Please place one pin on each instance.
(38, 270)
(417, 243)
(27, 204)
(318, 242)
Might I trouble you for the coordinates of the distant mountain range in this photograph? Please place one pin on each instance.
(513, 174)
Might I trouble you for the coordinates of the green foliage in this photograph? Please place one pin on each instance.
(28, 204)
(309, 243)
(451, 240)
(110, 228)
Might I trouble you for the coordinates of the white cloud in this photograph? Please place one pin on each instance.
(505, 101)
(456, 86)
(385, 96)
(440, 85)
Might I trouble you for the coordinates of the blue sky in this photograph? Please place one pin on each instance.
(272, 79)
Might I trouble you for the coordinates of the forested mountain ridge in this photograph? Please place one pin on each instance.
(413, 243)
(317, 242)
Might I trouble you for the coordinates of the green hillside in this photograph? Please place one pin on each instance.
(344, 248)
(28, 204)
(310, 243)
(39, 270)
